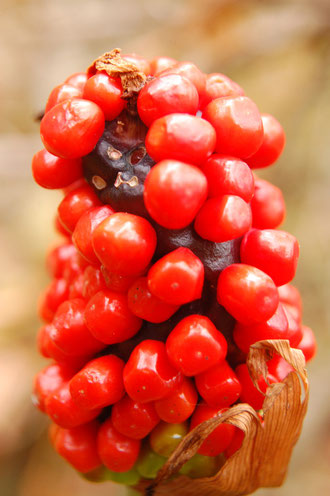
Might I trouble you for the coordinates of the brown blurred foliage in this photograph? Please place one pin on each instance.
(279, 51)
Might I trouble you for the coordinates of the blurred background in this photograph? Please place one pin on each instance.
(279, 51)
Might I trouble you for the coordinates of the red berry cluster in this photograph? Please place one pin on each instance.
(153, 305)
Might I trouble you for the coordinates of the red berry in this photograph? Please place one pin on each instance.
(146, 305)
(106, 92)
(177, 278)
(64, 411)
(195, 345)
(76, 287)
(86, 225)
(93, 282)
(236, 443)
(247, 293)
(99, 383)
(220, 438)
(117, 282)
(57, 258)
(69, 331)
(125, 243)
(228, 176)
(189, 71)
(72, 128)
(250, 393)
(61, 229)
(308, 343)
(55, 294)
(48, 380)
(148, 374)
(165, 95)
(272, 144)
(223, 218)
(141, 63)
(159, 64)
(181, 137)
(274, 252)
(290, 294)
(267, 205)
(174, 192)
(48, 349)
(118, 452)
(219, 386)
(132, 419)
(279, 367)
(53, 172)
(78, 446)
(61, 93)
(78, 80)
(75, 204)
(179, 405)
(217, 86)
(237, 123)
(109, 319)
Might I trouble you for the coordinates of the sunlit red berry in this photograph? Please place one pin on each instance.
(72, 128)
(83, 231)
(53, 172)
(219, 386)
(76, 286)
(78, 80)
(222, 435)
(236, 443)
(118, 452)
(267, 205)
(55, 293)
(237, 123)
(165, 95)
(177, 278)
(148, 374)
(195, 345)
(290, 295)
(106, 92)
(125, 243)
(117, 282)
(141, 63)
(181, 137)
(308, 343)
(190, 71)
(279, 367)
(159, 64)
(247, 293)
(75, 204)
(174, 192)
(223, 218)
(228, 176)
(272, 144)
(61, 93)
(133, 419)
(48, 349)
(78, 446)
(109, 319)
(250, 393)
(218, 85)
(146, 305)
(179, 405)
(274, 252)
(48, 380)
(93, 282)
(99, 383)
(57, 258)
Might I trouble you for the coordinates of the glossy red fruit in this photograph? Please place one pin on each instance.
(57, 258)
(147, 306)
(74, 267)
(277, 327)
(159, 64)
(69, 331)
(125, 243)
(279, 367)
(228, 176)
(141, 63)
(178, 406)
(64, 411)
(181, 137)
(107, 93)
(83, 231)
(272, 144)
(93, 282)
(99, 383)
(109, 319)
(78, 446)
(61, 93)
(267, 205)
(48, 380)
(195, 345)
(223, 218)
(51, 298)
(236, 443)
(132, 419)
(53, 172)
(219, 385)
(189, 71)
(250, 393)
(78, 80)
(117, 282)
(247, 293)
(165, 95)
(274, 252)
(218, 85)
(75, 204)
(290, 295)
(177, 278)
(174, 192)
(308, 343)
(72, 128)
(219, 440)
(48, 349)
(238, 125)
(148, 374)
(118, 452)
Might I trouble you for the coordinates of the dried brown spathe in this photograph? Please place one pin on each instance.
(264, 456)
